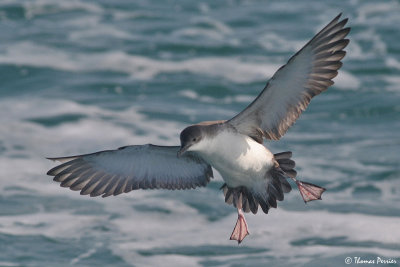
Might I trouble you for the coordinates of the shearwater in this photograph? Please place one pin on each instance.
(254, 177)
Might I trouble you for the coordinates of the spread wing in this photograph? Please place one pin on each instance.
(309, 72)
(113, 172)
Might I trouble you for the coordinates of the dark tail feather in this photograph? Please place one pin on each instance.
(248, 199)
(276, 184)
(283, 155)
(285, 162)
(240, 197)
(287, 166)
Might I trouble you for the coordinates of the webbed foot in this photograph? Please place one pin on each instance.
(309, 191)
(241, 230)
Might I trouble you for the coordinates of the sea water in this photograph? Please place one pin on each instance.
(82, 76)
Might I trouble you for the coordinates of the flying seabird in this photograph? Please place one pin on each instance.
(254, 177)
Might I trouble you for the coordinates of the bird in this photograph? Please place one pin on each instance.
(254, 177)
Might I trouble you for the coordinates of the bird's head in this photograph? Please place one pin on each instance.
(190, 139)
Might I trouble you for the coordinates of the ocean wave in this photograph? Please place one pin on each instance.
(393, 81)
(273, 42)
(87, 131)
(378, 13)
(94, 28)
(208, 99)
(140, 67)
(44, 7)
(184, 239)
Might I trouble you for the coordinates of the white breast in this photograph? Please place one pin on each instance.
(238, 158)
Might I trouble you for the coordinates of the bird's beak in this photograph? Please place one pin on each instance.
(182, 150)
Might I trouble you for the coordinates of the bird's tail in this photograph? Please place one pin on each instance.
(267, 194)
(286, 164)
(275, 186)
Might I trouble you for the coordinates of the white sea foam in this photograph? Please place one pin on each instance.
(42, 7)
(378, 13)
(88, 135)
(182, 226)
(8, 264)
(200, 33)
(215, 30)
(237, 70)
(217, 24)
(393, 63)
(226, 100)
(377, 47)
(86, 254)
(94, 28)
(296, 236)
(234, 69)
(27, 143)
(54, 224)
(346, 80)
(393, 82)
(273, 42)
(278, 226)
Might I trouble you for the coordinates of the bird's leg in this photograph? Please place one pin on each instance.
(240, 231)
(309, 191)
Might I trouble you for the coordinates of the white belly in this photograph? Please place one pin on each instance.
(239, 159)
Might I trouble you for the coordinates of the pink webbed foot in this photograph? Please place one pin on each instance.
(241, 230)
(309, 191)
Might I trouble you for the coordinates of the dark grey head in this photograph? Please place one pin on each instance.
(189, 136)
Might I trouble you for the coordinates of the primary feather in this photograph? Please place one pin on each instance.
(113, 172)
(309, 72)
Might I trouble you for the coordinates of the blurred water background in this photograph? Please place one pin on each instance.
(82, 76)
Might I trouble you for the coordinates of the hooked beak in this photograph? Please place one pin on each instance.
(182, 150)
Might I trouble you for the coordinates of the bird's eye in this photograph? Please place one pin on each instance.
(194, 139)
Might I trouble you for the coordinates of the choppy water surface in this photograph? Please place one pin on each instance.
(82, 76)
